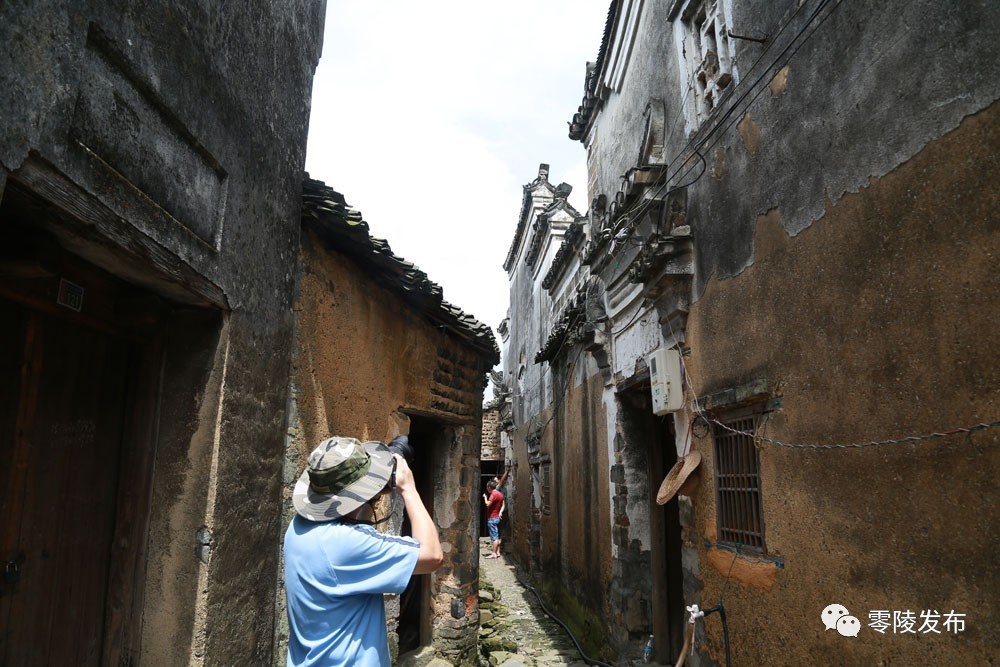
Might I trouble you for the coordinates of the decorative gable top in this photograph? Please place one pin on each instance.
(559, 211)
(540, 189)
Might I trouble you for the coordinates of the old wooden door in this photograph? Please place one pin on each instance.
(63, 390)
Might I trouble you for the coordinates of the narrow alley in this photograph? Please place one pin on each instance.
(514, 629)
(692, 305)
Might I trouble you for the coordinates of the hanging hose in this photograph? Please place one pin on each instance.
(586, 659)
(689, 635)
(688, 638)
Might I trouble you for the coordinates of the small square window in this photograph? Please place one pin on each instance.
(740, 519)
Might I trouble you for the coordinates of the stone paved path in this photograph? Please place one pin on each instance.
(514, 630)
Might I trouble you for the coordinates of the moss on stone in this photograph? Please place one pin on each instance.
(586, 625)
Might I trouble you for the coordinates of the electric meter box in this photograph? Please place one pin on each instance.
(665, 380)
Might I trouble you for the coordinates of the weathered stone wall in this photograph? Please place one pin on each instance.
(580, 489)
(890, 340)
(842, 208)
(492, 449)
(841, 204)
(173, 137)
(367, 365)
(863, 105)
(362, 359)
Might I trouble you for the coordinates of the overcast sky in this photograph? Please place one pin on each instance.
(429, 117)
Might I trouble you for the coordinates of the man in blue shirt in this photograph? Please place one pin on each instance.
(337, 566)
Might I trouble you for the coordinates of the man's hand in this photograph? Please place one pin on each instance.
(422, 526)
(404, 476)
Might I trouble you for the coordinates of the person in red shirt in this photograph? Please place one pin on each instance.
(494, 512)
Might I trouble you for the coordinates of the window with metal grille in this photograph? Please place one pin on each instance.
(546, 470)
(740, 520)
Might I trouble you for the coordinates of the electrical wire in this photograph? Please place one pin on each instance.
(700, 139)
(638, 311)
(579, 319)
(967, 430)
(757, 438)
(781, 55)
(582, 318)
(558, 403)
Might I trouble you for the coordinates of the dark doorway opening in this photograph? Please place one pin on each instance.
(668, 576)
(652, 440)
(427, 437)
(79, 368)
(487, 471)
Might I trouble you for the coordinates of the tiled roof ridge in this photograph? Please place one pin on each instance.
(344, 228)
(540, 231)
(561, 204)
(567, 330)
(571, 240)
(591, 100)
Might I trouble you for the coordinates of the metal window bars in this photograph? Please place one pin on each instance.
(546, 470)
(737, 484)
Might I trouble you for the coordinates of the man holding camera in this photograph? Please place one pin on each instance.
(337, 566)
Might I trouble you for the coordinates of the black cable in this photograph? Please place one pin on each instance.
(638, 311)
(700, 140)
(644, 206)
(586, 658)
(777, 60)
(562, 396)
(721, 609)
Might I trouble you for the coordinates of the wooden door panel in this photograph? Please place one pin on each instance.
(70, 449)
(13, 321)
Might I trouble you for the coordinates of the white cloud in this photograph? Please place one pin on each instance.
(430, 116)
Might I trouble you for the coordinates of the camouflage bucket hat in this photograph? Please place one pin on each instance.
(341, 475)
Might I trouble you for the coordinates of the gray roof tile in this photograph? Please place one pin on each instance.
(342, 228)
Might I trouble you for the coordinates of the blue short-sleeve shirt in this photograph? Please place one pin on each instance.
(335, 576)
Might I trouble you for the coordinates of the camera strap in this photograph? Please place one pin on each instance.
(374, 522)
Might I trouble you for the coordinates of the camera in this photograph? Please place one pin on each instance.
(399, 445)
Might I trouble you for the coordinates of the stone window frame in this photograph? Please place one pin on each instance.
(705, 56)
(541, 478)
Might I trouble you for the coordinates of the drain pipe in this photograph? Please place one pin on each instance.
(586, 658)
(697, 613)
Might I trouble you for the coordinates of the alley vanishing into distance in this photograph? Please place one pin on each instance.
(515, 631)
(741, 406)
